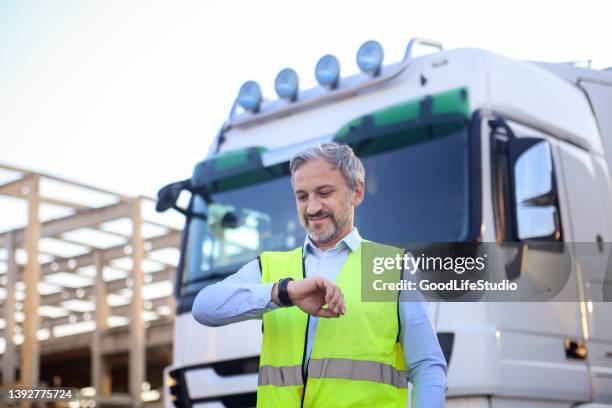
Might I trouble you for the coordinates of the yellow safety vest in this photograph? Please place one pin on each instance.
(356, 360)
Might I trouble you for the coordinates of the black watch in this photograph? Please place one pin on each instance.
(283, 295)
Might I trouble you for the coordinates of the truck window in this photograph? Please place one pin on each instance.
(416, 191)
(264, 219)
(419, 192)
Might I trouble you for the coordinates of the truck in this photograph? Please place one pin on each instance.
(461, 145)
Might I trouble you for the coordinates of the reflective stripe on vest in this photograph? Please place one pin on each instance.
(334, 368)
(358, 370)
(280, 376)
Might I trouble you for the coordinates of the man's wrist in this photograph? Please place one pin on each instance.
(274, 297)
(290, 289)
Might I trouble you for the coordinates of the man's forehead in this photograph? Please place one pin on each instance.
(317, 175)
(318, 186)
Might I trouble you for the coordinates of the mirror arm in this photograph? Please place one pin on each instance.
(190, 214)
(543, 200)
(502, 153)
(202, 191)
(500, 123)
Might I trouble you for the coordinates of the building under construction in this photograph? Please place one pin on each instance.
(86, 281)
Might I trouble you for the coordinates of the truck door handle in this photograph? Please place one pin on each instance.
(575, 349)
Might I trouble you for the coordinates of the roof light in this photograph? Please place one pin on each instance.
(370, 57)
(327, 71)
(286, 84)
(249, 96)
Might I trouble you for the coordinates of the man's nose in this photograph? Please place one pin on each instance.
(313, 207)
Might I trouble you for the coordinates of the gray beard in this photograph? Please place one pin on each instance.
(324, 237)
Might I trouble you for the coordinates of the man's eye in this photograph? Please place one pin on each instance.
(301, 197)
(325, 193)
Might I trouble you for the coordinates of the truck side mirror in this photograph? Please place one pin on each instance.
(534, 190)
(525, 195)
(168, 195)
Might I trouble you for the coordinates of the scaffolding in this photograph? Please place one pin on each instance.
(87, 268)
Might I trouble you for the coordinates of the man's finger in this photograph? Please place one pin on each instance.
(327, 313)
(336, 301)
(341, 305)
(330, 290)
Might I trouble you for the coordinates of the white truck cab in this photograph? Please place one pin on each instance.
(434, 134)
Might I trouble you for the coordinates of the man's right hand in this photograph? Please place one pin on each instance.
(311, 294)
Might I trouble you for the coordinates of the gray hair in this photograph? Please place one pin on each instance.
(340, 156)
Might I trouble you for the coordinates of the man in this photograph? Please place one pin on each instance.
(322, 346)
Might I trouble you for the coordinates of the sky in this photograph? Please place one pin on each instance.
(127, 95)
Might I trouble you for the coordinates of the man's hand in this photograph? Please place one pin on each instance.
(311, 294)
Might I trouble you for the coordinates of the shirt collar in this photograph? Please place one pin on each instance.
(352, 240)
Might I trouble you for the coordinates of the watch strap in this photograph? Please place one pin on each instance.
(283, 294)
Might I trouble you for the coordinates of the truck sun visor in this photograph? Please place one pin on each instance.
(407, 123)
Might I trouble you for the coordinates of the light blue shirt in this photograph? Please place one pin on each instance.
(242, 296)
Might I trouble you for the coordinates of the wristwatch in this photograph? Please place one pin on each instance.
(283, 295)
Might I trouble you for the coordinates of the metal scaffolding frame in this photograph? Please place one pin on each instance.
(82, 218)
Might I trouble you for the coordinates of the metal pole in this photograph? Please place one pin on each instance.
(31, 363)
(31, 348)
(100, 375)
(137, 331)
(9, 360)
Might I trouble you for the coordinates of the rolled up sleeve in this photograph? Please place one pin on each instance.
(240, 296)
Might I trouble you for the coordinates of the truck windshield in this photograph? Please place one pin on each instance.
(416, 192)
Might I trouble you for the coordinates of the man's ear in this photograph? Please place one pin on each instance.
(359, 193)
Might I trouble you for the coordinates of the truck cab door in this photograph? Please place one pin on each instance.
(586, 194)
(541, 342)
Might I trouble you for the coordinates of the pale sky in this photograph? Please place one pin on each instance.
(127, 95)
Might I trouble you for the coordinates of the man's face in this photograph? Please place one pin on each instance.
(324, 202)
